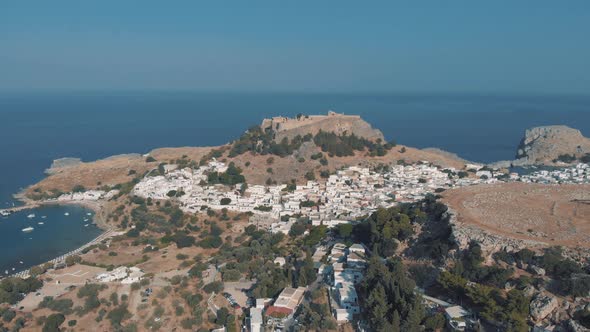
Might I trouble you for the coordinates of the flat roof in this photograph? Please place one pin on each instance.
(456, 312)
(256, 315)
(290, 297)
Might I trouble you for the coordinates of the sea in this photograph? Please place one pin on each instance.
(36, 128)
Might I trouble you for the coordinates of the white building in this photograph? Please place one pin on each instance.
(255, 320)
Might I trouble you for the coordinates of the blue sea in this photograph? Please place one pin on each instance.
(36, 128)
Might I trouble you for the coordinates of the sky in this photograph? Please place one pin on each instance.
(311, 46)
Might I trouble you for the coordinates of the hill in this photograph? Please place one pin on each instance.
(550, 145)
(339, 124)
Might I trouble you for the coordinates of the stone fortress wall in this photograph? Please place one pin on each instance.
(312, 124)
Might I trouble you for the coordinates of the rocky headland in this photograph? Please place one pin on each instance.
(550, 146)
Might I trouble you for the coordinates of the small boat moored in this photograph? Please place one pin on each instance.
(28, 229)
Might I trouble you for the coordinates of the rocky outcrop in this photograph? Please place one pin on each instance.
(574, 326)
(545, 145)
(463, 234)
(60, 164)
(542, 306)
(312, 124)
(490, 243)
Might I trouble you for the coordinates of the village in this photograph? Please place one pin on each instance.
(348, 194)
(345, 196)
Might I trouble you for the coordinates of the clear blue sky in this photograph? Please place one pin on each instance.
(356, 46)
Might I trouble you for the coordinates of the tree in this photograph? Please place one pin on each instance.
(222, 315)
(225, 201)
(344, 230)
(118, 315)
(73, 259)
(434, 323)
(215, 286)
(53, 322)
(297, 229)
(387, 297)
(36, 270)
(78, 188)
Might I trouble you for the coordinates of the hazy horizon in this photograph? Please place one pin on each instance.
(308, 47)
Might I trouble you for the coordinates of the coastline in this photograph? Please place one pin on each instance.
(99, 217)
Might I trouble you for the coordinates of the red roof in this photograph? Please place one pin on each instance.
(278, 310)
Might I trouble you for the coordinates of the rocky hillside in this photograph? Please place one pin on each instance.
(311, 124)
(549, 145)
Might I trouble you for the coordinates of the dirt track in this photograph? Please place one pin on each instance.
(554, 214)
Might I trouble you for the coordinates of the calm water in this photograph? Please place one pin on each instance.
(38, 128)
(57, 235)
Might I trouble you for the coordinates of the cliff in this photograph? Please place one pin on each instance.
(548, 145)
(311, 124)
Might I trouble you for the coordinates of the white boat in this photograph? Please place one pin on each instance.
(86, 225)
(28, 229)
(31, 216)
(43, 217)
(88, 214)
(66, 214)
(21, 262)
(41, 223)
(85, 219)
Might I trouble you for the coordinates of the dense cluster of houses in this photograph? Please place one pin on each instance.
(88, 195)
(346, 195)
(347, 267)
(579, 173)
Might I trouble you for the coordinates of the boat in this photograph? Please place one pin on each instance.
(28, 229)
(86, 225)
(21, 262)
(85, 219)
(43, 217)
(88, 214)
(31, 216)
(41, 223)
(66, 214)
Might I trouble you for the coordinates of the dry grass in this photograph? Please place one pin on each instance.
(547, 213)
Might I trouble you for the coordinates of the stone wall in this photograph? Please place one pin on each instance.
(312, 124)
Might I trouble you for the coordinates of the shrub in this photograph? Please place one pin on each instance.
(215, 286)
(53, 322)
(118, 315)
(78, 188)
(73, 259)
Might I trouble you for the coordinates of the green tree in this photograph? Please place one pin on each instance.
(53, 322)
(344, 230)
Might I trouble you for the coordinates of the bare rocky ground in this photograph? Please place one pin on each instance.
(518, 215)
